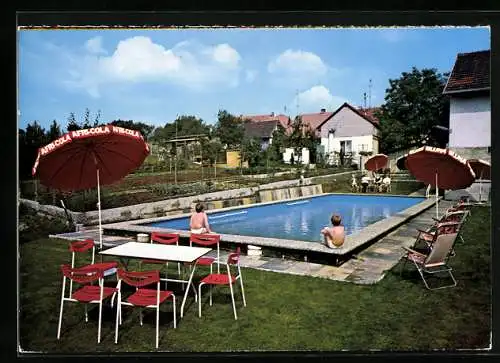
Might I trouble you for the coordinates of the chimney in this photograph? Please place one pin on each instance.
(272, 114)
(323, 110)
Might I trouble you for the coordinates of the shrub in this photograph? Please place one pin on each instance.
(33, 226)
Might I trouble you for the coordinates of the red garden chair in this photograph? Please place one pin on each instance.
(225, 279)
(75, 247)
(143, 297)
(87, 293)
(206, 240)
(166, 239)
(80, 247)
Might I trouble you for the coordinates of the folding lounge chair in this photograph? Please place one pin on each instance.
(457, 216)
(462, 205)
(436, 261)
(429, 238)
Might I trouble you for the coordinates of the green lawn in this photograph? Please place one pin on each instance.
(284, 312)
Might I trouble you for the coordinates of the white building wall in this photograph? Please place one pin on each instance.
(470, 122)
(287, 155)
(358, 143)
(346, 124)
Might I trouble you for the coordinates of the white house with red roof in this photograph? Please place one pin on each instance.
(347, 129)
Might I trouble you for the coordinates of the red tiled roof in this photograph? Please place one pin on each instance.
(370, 113)
(470, 72)
(314, 120)
(260, 129)
(282, 119)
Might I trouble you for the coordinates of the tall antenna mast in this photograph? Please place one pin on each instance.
(297, 99)
(370, 94)
(364, 99)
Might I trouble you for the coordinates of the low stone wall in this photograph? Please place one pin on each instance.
(264, 176)
(49, 210)
(286, 189)
(290, 193)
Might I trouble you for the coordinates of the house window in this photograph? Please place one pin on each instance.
(362, 147)
(346, 146)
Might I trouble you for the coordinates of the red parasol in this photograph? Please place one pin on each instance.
(482, 169)
(401, 162)
(87, 158)
(441, 168)
(376, 162)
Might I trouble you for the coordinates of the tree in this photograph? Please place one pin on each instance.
(54, 131)
(73, 125)
(229, 129)
(252, 151)
(302, 136)
(414, 103)
(211, 150)
(86, 120)
(311, 142)
(181, 126)
(275, 150)
(29, 142)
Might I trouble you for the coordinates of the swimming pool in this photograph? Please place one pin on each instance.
(300, 220)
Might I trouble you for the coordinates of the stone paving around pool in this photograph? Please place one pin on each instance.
(369, 266)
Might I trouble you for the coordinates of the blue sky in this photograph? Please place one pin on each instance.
(154, 75)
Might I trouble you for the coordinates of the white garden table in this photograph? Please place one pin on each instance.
(170, 253)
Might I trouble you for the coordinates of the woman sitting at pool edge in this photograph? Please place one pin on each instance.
(199, 220)
(335, 235)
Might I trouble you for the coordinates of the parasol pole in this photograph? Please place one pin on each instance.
(480, 185)
(437, 196)
(99, 207)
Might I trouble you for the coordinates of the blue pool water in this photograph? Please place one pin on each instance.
(300, 219)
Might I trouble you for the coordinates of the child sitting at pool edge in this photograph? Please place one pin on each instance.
(335, 235)
(199, 220)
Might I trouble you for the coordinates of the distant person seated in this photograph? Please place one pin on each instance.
(386, 184)
(365, 180)
(335, 235)
(354, 184)
(199, 220)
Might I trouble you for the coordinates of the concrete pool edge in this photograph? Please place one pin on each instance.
(352, 242)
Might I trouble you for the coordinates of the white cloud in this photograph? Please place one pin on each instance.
(94, 45)
(223, 53)
(250, 75)
(297, 62)
(316, 98)
(138, 59)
